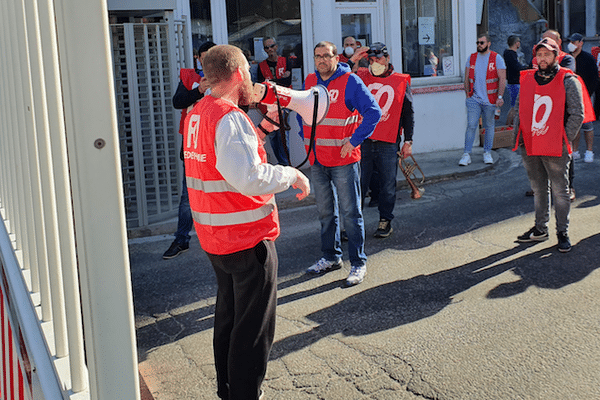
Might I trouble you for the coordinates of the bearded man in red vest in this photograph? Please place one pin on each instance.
(231, 188)
(379, 152)
(277, 69)
(485, 81)
(550, 111)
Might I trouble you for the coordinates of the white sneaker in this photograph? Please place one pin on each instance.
(576, 155)
(465, 159)
(356, 276)
(323, 266)
(589, 156)
(487, 158)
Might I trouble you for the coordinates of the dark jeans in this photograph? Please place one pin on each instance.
(185, 221)
(244, 319)
(549, 175)
(383, 157)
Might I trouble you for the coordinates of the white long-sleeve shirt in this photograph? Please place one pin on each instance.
(236, 150)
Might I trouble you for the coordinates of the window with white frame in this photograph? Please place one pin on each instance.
(427, 38)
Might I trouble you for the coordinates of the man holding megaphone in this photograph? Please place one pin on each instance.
(231, 190)
(334, 155)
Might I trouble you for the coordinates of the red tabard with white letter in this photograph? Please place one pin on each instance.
(389, 94)
(279, 69)
(188, 77)
(491, 78)
(226, 221)
(336, 129)
(541, 114)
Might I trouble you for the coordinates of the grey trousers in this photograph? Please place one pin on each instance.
(549, 175)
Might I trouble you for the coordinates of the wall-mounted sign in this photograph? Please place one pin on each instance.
(426, 30)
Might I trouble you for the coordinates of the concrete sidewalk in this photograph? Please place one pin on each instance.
(436, 166)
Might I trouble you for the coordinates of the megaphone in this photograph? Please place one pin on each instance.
(301, 101)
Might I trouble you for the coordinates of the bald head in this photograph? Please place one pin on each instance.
(554, 35)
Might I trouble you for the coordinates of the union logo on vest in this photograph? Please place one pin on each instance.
(333, 95)
(539, 127)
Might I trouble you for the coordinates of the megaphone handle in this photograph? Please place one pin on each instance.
(313, 127)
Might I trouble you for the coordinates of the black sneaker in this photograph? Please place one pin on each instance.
(564, 244)
(175, 250)
(385, 228)
(532, 235)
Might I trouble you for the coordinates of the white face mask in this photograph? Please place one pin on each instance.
(377, 69)
(571, 47)
(348, 51)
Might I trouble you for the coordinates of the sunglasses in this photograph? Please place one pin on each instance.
(375, 53)
(270, 47)
(480, 42)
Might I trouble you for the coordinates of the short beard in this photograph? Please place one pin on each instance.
(483, 50)
(548, 71)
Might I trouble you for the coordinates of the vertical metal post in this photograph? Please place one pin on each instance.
(94, 159)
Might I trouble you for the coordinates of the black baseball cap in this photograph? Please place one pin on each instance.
(378, 50)
(576, 37)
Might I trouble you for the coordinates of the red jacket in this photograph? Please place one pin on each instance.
(226, 221)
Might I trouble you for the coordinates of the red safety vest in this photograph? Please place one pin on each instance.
(389, 93)
(226, 221)
(542, 113)
(336, 128)
(491, 78)
(595, 51)
(188, 77)
(279, 69)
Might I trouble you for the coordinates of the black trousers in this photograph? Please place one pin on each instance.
(244, 319)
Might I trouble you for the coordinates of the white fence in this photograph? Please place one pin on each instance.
(66, 307)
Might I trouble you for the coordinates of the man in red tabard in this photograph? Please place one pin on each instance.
(231, 189)
(277, 69)
(191, 88)
(550, 112)
(380, 151)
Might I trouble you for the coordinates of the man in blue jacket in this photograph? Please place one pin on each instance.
(335, 160)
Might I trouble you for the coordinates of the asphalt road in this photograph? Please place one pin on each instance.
(451, 307)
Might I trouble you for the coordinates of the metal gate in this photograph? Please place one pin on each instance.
(147, 58)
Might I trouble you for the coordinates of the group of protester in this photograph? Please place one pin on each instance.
(231, 185)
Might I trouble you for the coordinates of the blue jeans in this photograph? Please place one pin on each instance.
(185, 221)
(486, 112)
(383, 157)
(343, 183)
(277, 146)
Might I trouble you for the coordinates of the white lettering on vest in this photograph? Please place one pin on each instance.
(538, 127)
(281, 71)
(492, 66)
(193, 130)
(378, 90)
(190, 155)
(333, 95)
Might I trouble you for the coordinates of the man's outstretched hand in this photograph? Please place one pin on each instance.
(303, 184)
